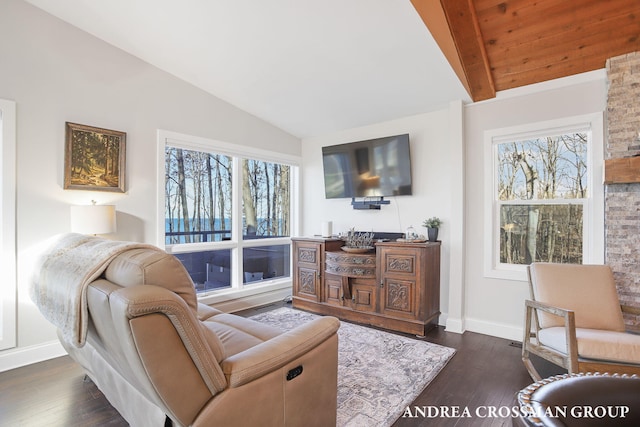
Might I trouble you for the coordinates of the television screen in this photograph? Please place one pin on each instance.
(372, 168)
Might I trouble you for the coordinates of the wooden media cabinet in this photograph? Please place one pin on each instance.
(396, 286)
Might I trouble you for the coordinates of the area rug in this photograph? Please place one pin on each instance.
(379, 373)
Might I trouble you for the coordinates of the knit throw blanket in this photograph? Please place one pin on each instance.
(62, 270)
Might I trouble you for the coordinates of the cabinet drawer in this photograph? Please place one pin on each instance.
(309, 254)
(351, 265)
(402, 263)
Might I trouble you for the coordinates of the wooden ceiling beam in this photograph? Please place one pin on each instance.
(454, 26)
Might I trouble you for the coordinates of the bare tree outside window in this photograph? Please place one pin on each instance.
(197, 196)
(265, 197)
(541, 191)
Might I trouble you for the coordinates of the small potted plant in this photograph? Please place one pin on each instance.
(432, 224)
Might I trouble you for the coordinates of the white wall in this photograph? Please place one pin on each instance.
(447, 148)
(436, 185)
(57, 73)
(494, 306)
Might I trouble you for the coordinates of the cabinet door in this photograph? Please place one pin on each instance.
(333, 289)
(364, 295)
(398, 297)
(307, 275)
(399, 275)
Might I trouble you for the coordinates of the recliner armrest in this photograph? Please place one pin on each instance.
(257, 361)
(136, 301)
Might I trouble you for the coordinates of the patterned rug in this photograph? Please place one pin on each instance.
(379, 373)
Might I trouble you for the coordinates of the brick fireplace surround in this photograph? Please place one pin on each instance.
(622, 201)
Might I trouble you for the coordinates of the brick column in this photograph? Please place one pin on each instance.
(622, 201)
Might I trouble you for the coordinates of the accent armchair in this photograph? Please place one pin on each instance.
(574, 320)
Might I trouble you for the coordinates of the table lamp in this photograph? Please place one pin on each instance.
(93, 219)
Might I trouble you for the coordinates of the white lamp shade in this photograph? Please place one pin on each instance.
(93, 219)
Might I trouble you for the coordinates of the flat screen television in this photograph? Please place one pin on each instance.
(373, 168)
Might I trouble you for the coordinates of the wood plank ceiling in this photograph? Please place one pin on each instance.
(494, 45)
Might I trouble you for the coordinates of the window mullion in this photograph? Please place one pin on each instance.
(236, 215)
(542, 202)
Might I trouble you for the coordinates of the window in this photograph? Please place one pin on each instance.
(197, 196)
(227, 213)
(543, 195)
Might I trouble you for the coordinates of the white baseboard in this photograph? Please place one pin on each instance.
(500, 330)
(23, 356)
(454, 325)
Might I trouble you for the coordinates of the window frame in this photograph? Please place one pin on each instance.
(593, 204)
(237, 243)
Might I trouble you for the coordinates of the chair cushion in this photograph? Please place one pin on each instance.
(588, 290)
(238, 334)
(149, 267)
(596, 344)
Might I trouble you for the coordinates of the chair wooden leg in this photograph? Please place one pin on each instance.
(533, 372)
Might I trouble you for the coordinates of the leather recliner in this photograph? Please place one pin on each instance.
(161, 357)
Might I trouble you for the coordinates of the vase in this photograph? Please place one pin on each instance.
(432, 233)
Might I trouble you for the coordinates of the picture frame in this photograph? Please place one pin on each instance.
(94, 158)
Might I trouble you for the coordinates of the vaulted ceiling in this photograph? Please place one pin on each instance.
(316, 67)
(495, 45)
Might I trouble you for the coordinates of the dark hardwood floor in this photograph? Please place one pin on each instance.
(485, 372)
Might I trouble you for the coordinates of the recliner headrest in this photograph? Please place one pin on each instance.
(152, 267)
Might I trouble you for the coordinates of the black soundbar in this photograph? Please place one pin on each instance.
(368, 203)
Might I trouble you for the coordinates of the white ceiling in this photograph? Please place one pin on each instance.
(308, 67)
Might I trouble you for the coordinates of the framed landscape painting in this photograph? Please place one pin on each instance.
(94, 158)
